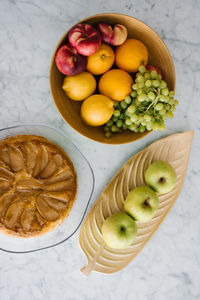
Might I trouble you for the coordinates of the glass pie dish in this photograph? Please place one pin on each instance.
(85, 189)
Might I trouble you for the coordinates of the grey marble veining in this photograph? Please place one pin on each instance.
(169, 266)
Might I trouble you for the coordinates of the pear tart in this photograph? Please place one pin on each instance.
(38, 185)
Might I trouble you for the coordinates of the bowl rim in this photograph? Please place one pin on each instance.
(89, 199)
(53, 59)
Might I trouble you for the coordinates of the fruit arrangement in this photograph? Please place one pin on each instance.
(141, 204)
(101, 61)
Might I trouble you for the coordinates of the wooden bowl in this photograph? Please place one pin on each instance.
(158, 56)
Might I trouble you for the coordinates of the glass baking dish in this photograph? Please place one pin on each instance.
(85, 189)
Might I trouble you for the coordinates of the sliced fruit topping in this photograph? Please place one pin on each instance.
(61, 175)
(27, 219)
(56, 203)
(13, 215)
(5, 201)
(5, 185)
(31, 155)
(46, 211)
(59, 186)
(49, 169)
(41, 161)
(16, 158)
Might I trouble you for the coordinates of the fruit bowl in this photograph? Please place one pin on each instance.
(158, 55)
(85, 189)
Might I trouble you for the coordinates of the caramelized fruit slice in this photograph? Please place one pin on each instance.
(59, 186)
(46, 211)
(16, 158)
(29, 220)
(57, 204)
(41, 161)
(49, 170)
(30, 156)
(13, 215)
(5, 201)
(5, 186)
(61, 176)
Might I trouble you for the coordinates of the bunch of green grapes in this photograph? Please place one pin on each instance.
(146, 108)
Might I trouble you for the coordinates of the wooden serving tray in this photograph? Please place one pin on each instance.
(175, 150)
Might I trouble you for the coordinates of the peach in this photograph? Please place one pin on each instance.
(114, 36)
(85, 38)
(69, 61)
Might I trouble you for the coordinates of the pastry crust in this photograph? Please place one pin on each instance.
(38, 185)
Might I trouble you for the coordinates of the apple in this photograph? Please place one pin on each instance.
(158, 70)
(85, 38)
(161, 177)
(141, 203)
(119, 231)
(114, 36)
(69, 61)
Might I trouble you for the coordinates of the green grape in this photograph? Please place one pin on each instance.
(139, 78)
(128, 122)
(122, 116)
(132, 127)
(123, 104)
(167, 107)
(159, 77)
(142, 129)
(147, 118)
(142, 69)
(139, 91)
(127, 99)
(167, 99)
(151, 96)
(140, 85)
(108, 134)
(142, 97)
(124, 126)
(162, 112)
(159, 106)
(106, 128)
(171, 94)
(134, 118)
(163, 84)
(119, 123)
(171, 101)
(131, 109)
(173, 108)
(162, 127)
(165, 92)
(155, 83)
(147, 75)
(135, 86)
(116, 113)
(114, 119)
(155, 126)
(169, 114)
(176, 102)
(109, 123)
(154, 74)
(116, 104)
(114, 128)
(149, 126)
(133, 94)
(162, 98)
(148, 83)
(143, 123)
(127, 113)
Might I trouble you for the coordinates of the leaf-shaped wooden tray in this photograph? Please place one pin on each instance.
(175, 150)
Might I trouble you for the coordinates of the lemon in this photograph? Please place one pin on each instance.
(96, 110)
(79, 87)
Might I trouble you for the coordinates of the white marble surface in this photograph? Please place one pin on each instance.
(169, 266)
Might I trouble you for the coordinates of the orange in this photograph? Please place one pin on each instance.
(101, 61)
(116, 84)
(79, 87)
(130, 55)
(96, 110)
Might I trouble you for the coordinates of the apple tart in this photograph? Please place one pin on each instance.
(38, 185)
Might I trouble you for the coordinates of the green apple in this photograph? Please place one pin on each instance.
(119, 231)
(141, 203)
(161, 177)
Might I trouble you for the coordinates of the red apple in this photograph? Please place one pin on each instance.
(69, 61)
(85, 38)
(114, 36)
(151, 68)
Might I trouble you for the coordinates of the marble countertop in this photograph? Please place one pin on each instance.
(169, 266)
